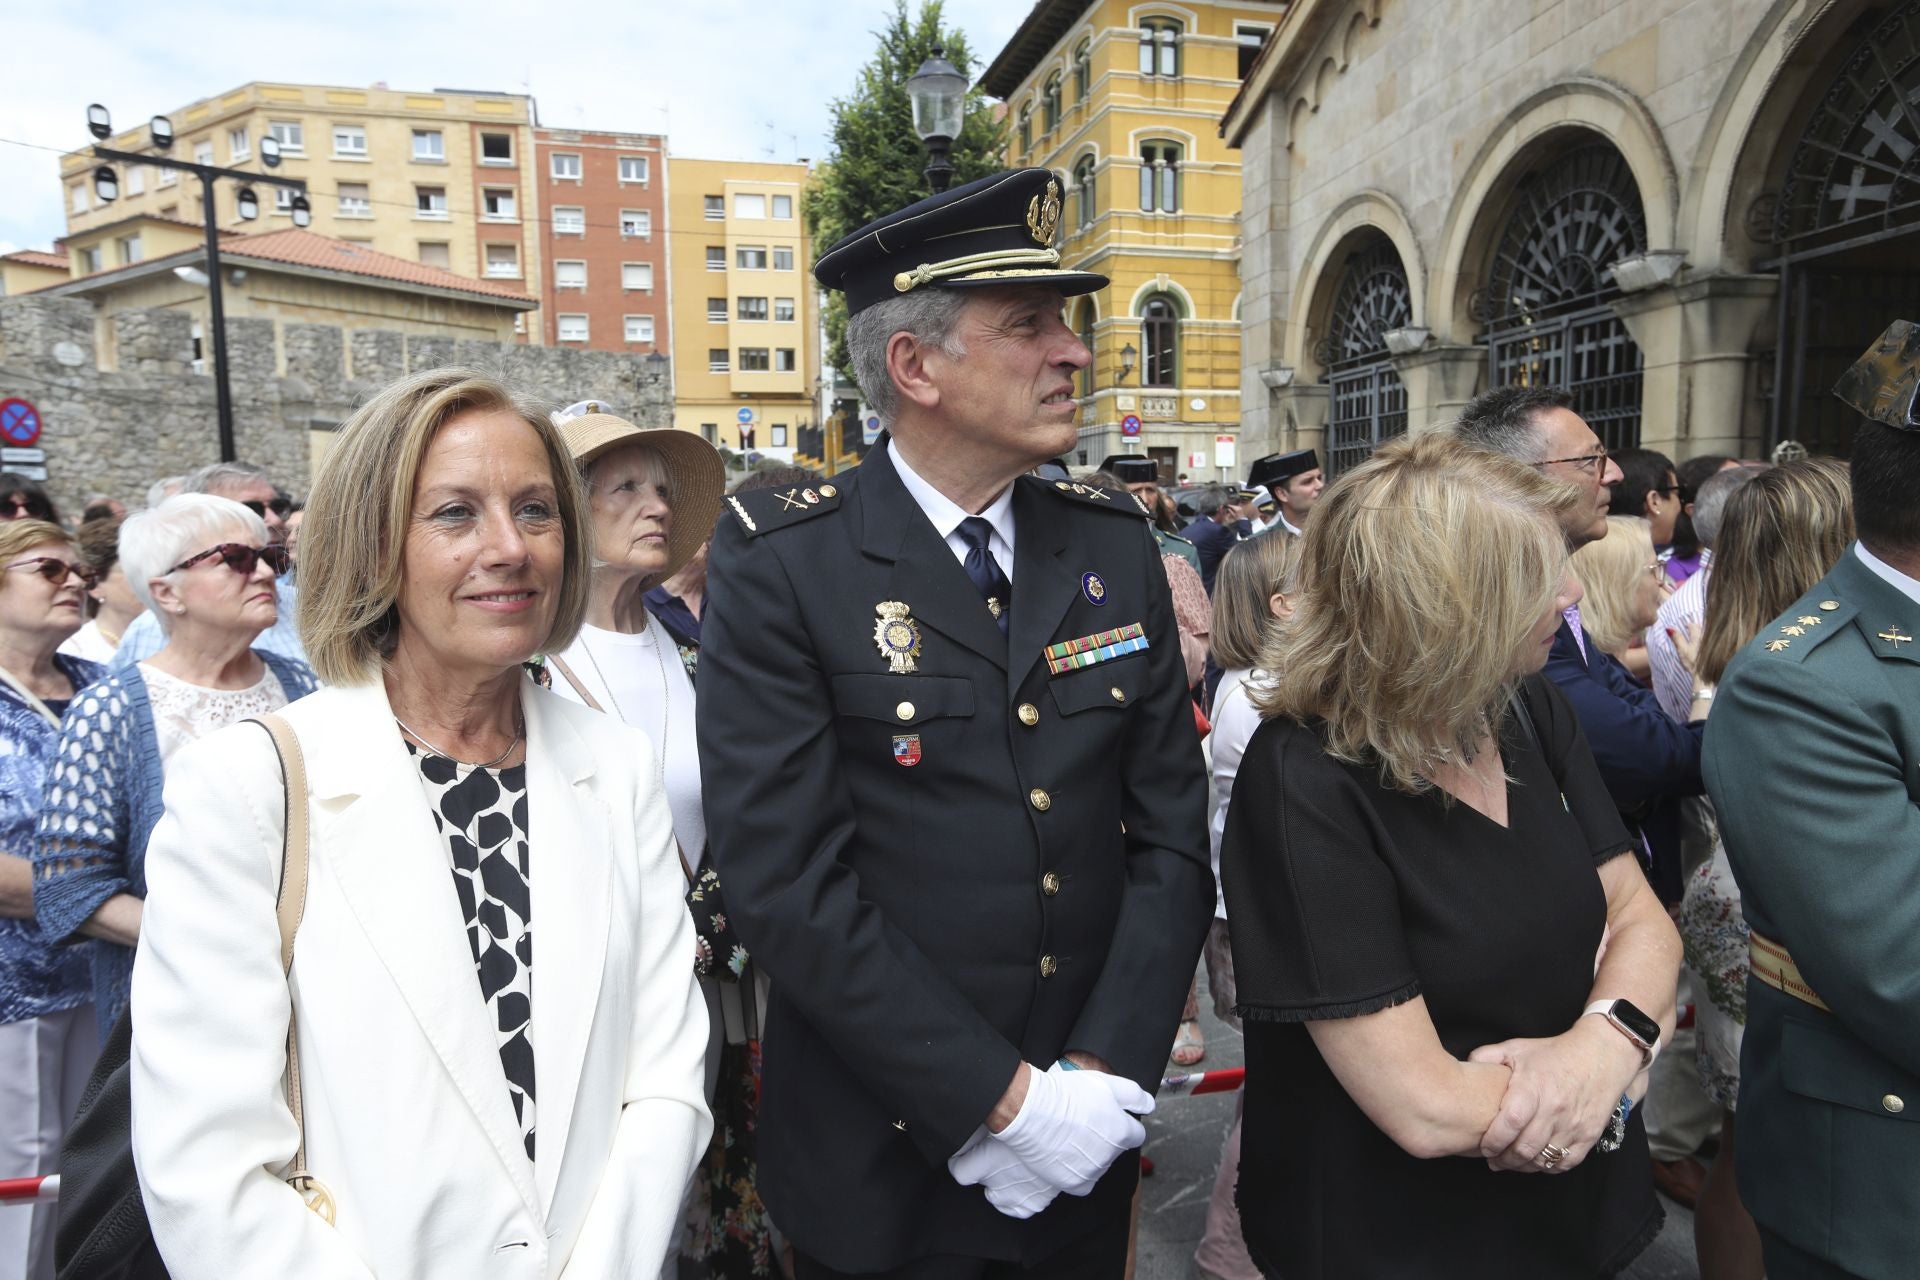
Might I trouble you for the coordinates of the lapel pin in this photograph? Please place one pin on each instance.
(1893, 636)
(1093, 588)
(906, 749)
(897, 636)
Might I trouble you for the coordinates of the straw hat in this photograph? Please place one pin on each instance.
(694, 474)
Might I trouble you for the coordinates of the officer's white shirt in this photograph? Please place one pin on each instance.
(946, 515)
(1906, 586)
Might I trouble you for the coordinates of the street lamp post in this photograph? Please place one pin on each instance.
(106, 185)
(938, 91)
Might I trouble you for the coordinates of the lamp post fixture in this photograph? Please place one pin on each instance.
(106, 185)
(938, 91)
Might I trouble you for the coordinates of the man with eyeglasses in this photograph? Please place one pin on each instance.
(249, 486)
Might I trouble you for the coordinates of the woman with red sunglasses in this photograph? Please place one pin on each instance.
(47, 1038)
(205, 566)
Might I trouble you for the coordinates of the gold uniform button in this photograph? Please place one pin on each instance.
(1050, 883)
(1039, 799)
(1829, 605)
(1048, 966)
(1894, 1104)
(1029, 714)
(828, 491)
(1119, 694)
(904, 711)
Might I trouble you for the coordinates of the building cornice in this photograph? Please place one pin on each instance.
(1294, 42)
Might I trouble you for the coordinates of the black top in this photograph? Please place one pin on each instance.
(1348, 897)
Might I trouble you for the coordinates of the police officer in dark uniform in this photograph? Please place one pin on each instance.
(955, 791)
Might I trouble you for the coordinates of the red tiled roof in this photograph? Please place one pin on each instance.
(37, 258)
(308, 249)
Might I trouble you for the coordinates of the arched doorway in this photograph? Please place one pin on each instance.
(1367, 402)
(1845, 220)
(1546, 303)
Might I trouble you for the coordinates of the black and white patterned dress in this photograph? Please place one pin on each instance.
(482, 815)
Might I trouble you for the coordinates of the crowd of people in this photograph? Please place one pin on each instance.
(871, 833)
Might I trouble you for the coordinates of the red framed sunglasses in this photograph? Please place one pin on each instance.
(240, 558)
(58, 571)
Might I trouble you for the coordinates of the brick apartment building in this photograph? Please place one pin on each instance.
(604, 240)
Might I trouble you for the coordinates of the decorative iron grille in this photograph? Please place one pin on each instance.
(1547, 301)
(1368, 402)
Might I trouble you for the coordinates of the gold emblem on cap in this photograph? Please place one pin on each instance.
(1043, 213)
(897, 637)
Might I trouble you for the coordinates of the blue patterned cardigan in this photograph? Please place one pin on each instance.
(102, 801)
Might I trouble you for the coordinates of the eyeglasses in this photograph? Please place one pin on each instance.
(57, 571)
(1596, 463)
(17, 508)
(241, 558)
(282, 507)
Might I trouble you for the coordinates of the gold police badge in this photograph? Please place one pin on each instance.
(1043, 213)
(897, 636)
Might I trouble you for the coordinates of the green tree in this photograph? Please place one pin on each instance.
(875, 161)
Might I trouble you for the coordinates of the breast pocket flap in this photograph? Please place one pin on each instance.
(902, 700)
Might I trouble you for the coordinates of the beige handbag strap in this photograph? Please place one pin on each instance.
(290, 907)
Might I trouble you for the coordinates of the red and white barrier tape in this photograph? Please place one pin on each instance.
(43, 1190)
(1190, 1084)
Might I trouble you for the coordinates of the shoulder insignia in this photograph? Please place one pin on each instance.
(1094, 496)
(762, 510)
(1807, 626)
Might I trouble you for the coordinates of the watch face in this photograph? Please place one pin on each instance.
(1645, 1029)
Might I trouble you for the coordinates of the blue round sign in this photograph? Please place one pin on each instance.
(745, 415)
(19, 422)
(1130, 425)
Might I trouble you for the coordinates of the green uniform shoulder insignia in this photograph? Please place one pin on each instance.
(1093, 495)
(761, 510)
(1804, 627)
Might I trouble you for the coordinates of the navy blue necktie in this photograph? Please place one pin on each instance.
(984, 570)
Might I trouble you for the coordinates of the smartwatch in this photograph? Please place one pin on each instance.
(1627, 1018)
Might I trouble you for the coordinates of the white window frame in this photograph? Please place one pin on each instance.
(560, 333)
(740, 308)
(508, 270)
(792, 356)
(787, 250)
(554, 166)
(437, 154)
(442, 245)
(569, 220)
(290, 134)
(724, 364)
(512, 213)
(636, 224)
(346, 206)
(719, 263)
(741, 251)
(562, 265)
(169, 176)
(741, 355)
(349, 131)
(497, 162)
(779, 200)
(78, 199)
(136, 179)
(642, 163)
(744, 205)
(641, 284)
(239, 146)
(628, 325)
(784, 310)
(431, 214)
(130, 249)
(203, 151)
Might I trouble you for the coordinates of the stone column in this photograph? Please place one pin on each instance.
(1440, 378)
(1696, 340)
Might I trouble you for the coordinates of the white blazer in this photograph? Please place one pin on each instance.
(407, 1113)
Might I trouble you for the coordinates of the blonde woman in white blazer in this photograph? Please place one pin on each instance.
(501, 1042)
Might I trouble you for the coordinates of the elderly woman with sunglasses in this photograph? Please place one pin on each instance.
(47, 1037)
(205, 568)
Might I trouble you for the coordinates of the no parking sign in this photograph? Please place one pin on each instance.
(19, 422)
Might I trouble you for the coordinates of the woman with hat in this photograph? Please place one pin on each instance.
(654, 494)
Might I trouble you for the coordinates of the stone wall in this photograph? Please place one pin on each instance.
(119, 418)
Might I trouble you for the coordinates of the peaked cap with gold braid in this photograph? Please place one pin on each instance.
(996, 231)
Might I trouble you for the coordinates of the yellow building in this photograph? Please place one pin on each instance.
(442, 178)
(746, 319)
(1123, 102)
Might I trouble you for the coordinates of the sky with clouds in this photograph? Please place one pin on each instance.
(728, 79)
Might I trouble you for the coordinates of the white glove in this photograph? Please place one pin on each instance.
(1012, 1188)
(1073, 1124)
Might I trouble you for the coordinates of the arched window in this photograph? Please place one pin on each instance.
(1085, 184)
(1082, 70)
(1085, 331)
(1160, 177)
(1159, 342)
(1368, 402)
(1050, 104)
(1026, 129)
(1159, 47)
(1547, 303)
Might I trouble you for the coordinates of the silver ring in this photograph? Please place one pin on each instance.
(1551, 1156)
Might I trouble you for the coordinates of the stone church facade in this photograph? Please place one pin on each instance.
(1692, 213)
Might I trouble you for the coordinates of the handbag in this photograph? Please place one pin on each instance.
(103, 1232)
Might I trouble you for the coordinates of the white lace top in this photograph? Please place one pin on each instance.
(184, 713)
